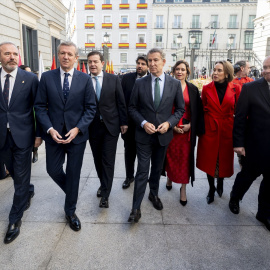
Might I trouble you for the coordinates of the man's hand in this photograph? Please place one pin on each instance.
(38, 142)
(240, 151)
(162, 128)
(71, 135)
(149, 128)
(124, 129)
(56, 136)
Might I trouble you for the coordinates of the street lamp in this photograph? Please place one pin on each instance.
(106, 38)
(192, 56)
(230, 41)
(105, 49)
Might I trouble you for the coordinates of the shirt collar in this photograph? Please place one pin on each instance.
(71, 72)
(161, 77)
(12, 73)
(268, 84)
(99, 75)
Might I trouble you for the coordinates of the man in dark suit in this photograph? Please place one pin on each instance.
(251, 135)
(17, 131)
(110, 119)
(128, 82)
(65, 106)
(151, 104)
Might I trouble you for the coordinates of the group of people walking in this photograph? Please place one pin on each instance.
(158, 117)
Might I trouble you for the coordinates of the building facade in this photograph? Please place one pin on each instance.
(34, 26)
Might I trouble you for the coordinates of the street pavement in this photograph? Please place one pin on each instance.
(197, 236)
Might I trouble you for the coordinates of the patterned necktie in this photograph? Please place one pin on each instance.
(98, 88)
(157, 93)
(66, 87)
(6, 89)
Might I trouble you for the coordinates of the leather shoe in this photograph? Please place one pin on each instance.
(210, 196)
(127, 182)
(12, 232)
(99, 192)
(156, 201)
(104, 202)
(168, 187)
(30, 196)
(234, 205)
(265, 221)
(74, 222)
(134, 216)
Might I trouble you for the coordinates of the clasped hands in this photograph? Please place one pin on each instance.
(240, 151)
(69, 136)
(182, 128)
(151, 129)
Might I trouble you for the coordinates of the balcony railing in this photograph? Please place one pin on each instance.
(195, 25)
(141, 6)
(89, 6)
(159, 45)
(233, 25)
(123, 25)
(106, 6)
(232, 46)
(106, 25)
(159, 25)
(140, 45)
(250, 25)
(177, 25)
(141, 25)
(89, 45)
(215, 25)
(194, 46)
(176, 45)
(123, 45)
(248, 46)
(123, 6)
(89, 25)
(212, 46)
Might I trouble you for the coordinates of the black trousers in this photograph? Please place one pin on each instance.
(155, 153)
(69, 180)
(130, 150)
(103, 146)
(18, 163)
(244, 180)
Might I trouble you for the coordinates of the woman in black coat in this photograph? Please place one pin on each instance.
(180, 153)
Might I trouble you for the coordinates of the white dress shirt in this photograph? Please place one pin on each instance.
(62, 74)
(100, 79)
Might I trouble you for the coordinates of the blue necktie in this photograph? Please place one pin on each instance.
(157, 93)
(98, 88)
(66, 87)
(6, 89)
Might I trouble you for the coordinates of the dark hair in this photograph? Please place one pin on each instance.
(23, 67)
(142, 57)
(228, 69)
(96, 53)
(237, 66)
(179, 63)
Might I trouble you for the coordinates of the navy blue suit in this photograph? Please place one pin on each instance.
(78, 111)
(16, 143)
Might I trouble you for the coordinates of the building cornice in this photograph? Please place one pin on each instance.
(162, 5)
(58, 5)
(56, 25)
(26, 9)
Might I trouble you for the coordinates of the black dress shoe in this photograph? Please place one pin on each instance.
(234, 205)
(74, 222)
(182, 202)
(155, 201)
(127, 182)
(210, 196)
(220, 187)
(168, 187)
(99, 192)
(104, 202)
(265, 221)
(134, 216)
(30, 196)
(12, 232)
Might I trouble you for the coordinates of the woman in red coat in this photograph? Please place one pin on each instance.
(215, 148)
(180, 152)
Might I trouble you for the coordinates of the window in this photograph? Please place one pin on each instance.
(160, 1)
(195, 21)
(141, 19)
(249, 40)
(215, 0)
(89, 1)
(178, 1)
(107, 19)
(174, 44)
(142, 1)
(124, 19)
(124, 1)
(123, 58)
(159, 39)
(90, 38)
(90, 19)
(233, 21)
(123, 38)
(141, 38)
(107, 1)
(196, 1)
(250, 21)
(30, 47)
(177, 21)
(214, 21)
(159, 22)
(198, 35)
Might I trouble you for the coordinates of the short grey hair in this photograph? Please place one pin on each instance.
(157, 50)
(7, 43)
(68, 43)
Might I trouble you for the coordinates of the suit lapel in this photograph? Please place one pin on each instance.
(230, 91)
(212, 92)
(74, 82)
(57, 81)
(105, 85)
(2, 102)
(264, 89)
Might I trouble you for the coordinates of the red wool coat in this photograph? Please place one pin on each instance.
(218, 137)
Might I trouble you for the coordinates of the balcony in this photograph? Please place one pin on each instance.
(106, 6)
(195, 25)
(194, 46)
(123, 45)
(177, 25)
(176, 46)
(215, 25)
(109, 45)
(233, 25)
(212, 46)
(141, 6)
(88, 6)
(250, 25)
(123, 25)
(248, 46)
(107, 25)
(89, 25)
(141, 45)
(123, 6)
(232, 46)
(141, 25)
(89, 45)
(159, 25)
(159, 45)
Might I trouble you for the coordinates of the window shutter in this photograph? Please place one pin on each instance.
(57, 42)
(34, 50)
(25, 51)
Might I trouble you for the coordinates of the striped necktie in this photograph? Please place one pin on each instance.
(6, 89)
(66, 87)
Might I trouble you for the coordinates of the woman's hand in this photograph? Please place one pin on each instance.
(186, 127)
(178, 130)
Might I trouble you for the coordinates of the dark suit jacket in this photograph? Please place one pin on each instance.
(19, 113)
(127, 83)
(141, 107)
(78, 111)
(111, 105)
(252, 124)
